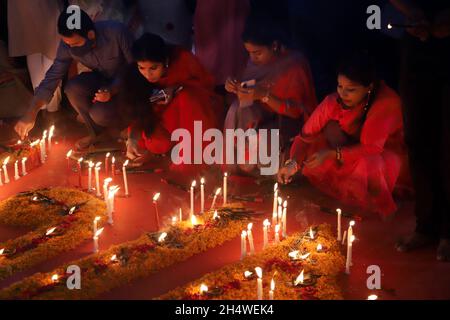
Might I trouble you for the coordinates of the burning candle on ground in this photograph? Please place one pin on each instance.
(348, 262)
(24, 166)
(275, 202)
(280, 210)
(319, 248)
(203, 289)
(113, 166)
(215, 198)
(55, 278)
(51, 132)
(107, 163)
(349, 237)
(311, 233)
(5, 170)
(243, 244)
(277, 233)
(225, 186)
(16, 170)
(162, 237)
(259, 283)
(372, 297)
(155, 202)
(97, 178)
(174, 220)
(194, 221)
(96, 236)
(112, 196)
(91, 166)
(283, 219)
(250, 238)
(96, 220)
(202, 195)
(215, 215)
(272, 289)
(106, 183)
(300, 279)
(266, 225)
(339, 215)
(194, 183)
(68, 155)
(80, 161)
(44, 146)
(125, 179)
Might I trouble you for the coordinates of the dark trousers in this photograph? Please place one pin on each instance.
(80, 91)
(425, 89)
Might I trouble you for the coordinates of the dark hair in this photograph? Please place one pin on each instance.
(150, 47)
(359, 67)
(86, 24)
(263, 30)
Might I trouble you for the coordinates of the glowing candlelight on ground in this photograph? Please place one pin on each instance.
(215, 215)
(294, 254)
(372, 297)
(114, 258)
(202, 195)
(349, 254)
(79, 171)
(106, 183)
(280, 210)
(250, 238)
(68, 155)
(110, 202)
(283, 219)
(50, 231)
(24, 166)
(203, 289)
(55, 278)
(277, 235)
(319, 247)
(50, 137)
(275, 200)
(113, 166)
(96, 236)
(266, 225)
(272, 289)
(194, 183)
(390, 27)
(97, 178)
(155, 202)
(259, 283)
(19, 142)
(311, 233)
(225, 187)
(5, 170)
(107, 162)
(162, 237)
(43, 147)
(339, 215)
(1, 251)
(174, 220)
(125, 180)
(91, 165)
(349, 238)
(16, 170)
(215, 197)
(247, 274)
(72, 210)
(194, 221)
(96, 220)
(243, 244)
(300, 278)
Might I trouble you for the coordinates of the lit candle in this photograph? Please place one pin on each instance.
(203, 289)
(97, 178)
(43, 146)
(79, 171)
(225, 185)
(125, 180)
(106, 183)
(113, 166)
(272, 289)
(275, 201)
(162, 237)
(344, 237)
(250, 238)
(194, 220)
(372, 297)
(16, 170)
(96, 220)
(277, 235)
(259, 283)
(243, 244)
(111, 196)
(339, 215)
(96, 236)
(5, 170)
(266, 225)
(280, 210)
(283, 220)
(348, 262)
(174, 220)
(55, 278)
(50, 137)
(215, 215)
(311, 233)
(91, 165)
(300, 279)
(68, 155)
(202, 195)
(319, 247)
(349, 237)
(215, 197)
(194, 183)
(107, 162)
(24, 167)
(155, 202)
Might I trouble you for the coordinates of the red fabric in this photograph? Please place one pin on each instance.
(371, 168)
(196, 102)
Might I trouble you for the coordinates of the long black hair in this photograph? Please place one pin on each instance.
(263, 30)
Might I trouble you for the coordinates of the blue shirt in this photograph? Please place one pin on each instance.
(110, 54)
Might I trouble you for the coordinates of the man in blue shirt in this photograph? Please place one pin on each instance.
(105, 49)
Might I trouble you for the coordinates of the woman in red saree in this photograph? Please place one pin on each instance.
(352, 145)
(189, 97)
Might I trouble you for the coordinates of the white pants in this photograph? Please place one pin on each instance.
(38, 65)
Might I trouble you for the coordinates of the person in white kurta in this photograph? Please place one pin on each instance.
(33, 33)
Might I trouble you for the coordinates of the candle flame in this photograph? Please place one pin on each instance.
(275, 187)
(35, 198)
(107, 181)
(218, 191)
(50, 231)
(285, 204)
(339, 211)
(319, 247)
(97, 219)
(300, 278)
(266, 223)
(174, 219)
(19, 142)
(294, 254)
(272, 285)
(352, 223)
(114, 258)
(69, 154)
(225, 174)
(250, 226)
(1, 251)
(194, 220)
(247, 274)
(390, 26)
(156, 196)
(372, 297)
(194, 183)
(24, 159)
(5, 162)
(277, 228)
(80, 160)
(258, 272)
(52, 129)
(311, 233)
(113, 190)
(44, 134)
(98, 233)
(244, 234)
(203, 288)
(55, 278)
(108, 155)
(91, 164)
(72, 210)
(202, 181)
(98, 165)
(280, 201)
(162, 237)
(33, 144)
(113, 159)
(215, 216)
(126, 163)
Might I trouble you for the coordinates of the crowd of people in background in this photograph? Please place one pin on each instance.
(240, 64)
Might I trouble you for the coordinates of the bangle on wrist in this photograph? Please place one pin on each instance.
(292, 164)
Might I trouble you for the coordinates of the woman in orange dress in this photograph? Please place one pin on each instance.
(352, 145)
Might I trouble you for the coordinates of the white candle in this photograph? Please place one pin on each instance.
(280, 210)
(5, 170)
(16, 170)
(243, 244)
(155, 202)
(272, 289)
(96, 236)
(113, 166)
(266, 225)
(125, 180)
(91, 165)
(215, 198)
(259, 283)
(349, 254)
(283, 220)
(339, 215)
(50, 136)
(350, 237)
(107, 163)
(202, 195)
(194, 183)
(96, 220)
(43, 146)
(277, 235)
(111, 196)
(250, 238)
(344, 237)
(97, 178)
(225, 185)
(80, 161)
(68, 155)
(275, 201)
(24, 167)
(106, 183)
